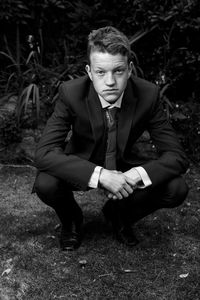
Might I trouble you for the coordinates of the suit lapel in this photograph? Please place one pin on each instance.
(126, 116)
(95, 113)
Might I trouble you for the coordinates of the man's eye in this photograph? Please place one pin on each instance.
(100, 73)
(120, 71)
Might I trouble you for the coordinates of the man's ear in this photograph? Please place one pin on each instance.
(130, 69)
(88, 70)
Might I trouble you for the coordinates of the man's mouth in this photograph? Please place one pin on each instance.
(110, 91)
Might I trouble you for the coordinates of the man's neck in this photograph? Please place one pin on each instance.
(106, 104)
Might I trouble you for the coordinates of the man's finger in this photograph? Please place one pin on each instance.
(115, 196)
(124, 193)
(128, 188)
(119, 196)
(110, 195)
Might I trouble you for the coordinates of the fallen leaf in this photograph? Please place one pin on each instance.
(6, 272)
(82, 263)
(184, 275)
(127, 270)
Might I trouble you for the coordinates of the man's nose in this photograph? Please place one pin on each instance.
(110, 79)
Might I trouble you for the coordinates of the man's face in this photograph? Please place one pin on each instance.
(109, 74)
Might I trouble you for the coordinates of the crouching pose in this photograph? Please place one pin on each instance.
(107, 110)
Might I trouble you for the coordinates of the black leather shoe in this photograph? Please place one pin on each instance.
(122, 230)
(70, 237)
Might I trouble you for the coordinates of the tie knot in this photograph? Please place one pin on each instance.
(111, 115)
(113, 110)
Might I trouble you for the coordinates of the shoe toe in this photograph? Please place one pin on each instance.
(70, 237)
(69, 245)
(69, 241)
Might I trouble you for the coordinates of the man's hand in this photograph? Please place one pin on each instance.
(118, 184)
(132, 178)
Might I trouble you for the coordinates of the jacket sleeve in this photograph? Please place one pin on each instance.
(172, 161)
(50, 156)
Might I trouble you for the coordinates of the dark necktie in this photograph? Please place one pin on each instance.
(110, 158)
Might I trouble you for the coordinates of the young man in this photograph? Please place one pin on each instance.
(107, 111)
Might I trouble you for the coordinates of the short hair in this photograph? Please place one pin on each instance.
(108, 39)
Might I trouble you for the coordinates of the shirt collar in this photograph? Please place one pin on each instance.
(106, 104)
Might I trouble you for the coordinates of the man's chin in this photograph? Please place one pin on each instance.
(111, 98)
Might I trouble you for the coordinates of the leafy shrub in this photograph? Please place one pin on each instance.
(30, 81)
(10, 132)
(185, 118)
(186, 121)
(165, 36)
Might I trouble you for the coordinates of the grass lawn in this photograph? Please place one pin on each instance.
(165, 264)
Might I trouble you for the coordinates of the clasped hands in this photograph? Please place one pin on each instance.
(119, 185)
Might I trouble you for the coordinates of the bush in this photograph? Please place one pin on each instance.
(10, 132)
(186, 121)
(165, 36)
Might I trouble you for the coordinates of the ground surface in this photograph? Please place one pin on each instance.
(165, 265)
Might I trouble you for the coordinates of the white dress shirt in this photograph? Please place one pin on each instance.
(94, 179)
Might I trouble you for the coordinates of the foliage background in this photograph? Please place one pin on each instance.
(165, 35)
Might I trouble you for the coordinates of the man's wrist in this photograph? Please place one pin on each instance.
(94, 179)
(99, 180)
(146, 181)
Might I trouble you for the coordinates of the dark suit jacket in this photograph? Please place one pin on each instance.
(79, 109)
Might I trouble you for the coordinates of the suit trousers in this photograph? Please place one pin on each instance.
(58, 195)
